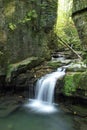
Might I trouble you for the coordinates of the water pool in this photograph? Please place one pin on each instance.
(25, 119)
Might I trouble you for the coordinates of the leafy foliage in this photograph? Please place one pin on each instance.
(65, 27)
(12, 26)
(30, 16)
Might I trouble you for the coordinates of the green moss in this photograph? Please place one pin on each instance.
(54, 64)
(30, 16)
(9, 71)
(83, 81)
(12, 26)
(69, 86)
(71, 83)
(75, 84)
(79, 5)
(14, 67)
(26, 36)
(9, 8)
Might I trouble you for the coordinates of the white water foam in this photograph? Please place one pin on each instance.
(41, 107)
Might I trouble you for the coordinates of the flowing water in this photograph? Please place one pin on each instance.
(44, 96)
(40, 113)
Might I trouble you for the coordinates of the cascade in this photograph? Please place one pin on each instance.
(44, 94)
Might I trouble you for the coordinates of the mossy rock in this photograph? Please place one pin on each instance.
(77, 67)
(75, 84)
(83, 81)
(54, 64)
(79, 110)
(69, 85)
(23, 66)
(79, 5)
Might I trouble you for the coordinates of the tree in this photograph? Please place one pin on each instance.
(65, 27)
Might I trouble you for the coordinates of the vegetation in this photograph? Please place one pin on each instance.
(69, 86)
(12, 26)
(75, 84)
(30, 16)
(65, 27)
(40, 15)
(31, 33)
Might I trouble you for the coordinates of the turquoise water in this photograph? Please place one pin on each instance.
(25, 119)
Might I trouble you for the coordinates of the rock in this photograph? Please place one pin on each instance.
(58, 62)
(26, 29)
(75, 85)
(8, 105)
(76, 67)
(54, 64)
(20, 67)
(79, 110)
(22, 76)
(79, 16)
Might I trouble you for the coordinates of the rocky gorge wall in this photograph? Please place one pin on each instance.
(25, 29)
(79, 16)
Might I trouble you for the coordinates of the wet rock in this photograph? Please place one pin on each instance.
(54, 64)
(21, 67)
(75, 85)
(76, 67)
(22, 76)
(81, 122)
(58, 62)
(79, 110)
(9, 105)
(74, 82)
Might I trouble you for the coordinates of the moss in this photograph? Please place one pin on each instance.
(80, 20)
(9, 9)
(12, 26)
(3, 36)
(80, 81)
(23, 64)
(71, 83)
(84, 55)
(75, 84)
(79, 5)
(83, 81)
(76, 79)
(54, 64)
(69, 86)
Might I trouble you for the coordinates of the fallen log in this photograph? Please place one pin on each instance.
(65, 44)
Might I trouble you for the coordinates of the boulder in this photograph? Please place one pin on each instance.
(76, 66)
(79, 16)
(20, 67)
(26, 29)
(75, 85)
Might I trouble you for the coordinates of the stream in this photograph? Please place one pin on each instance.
(40, 113)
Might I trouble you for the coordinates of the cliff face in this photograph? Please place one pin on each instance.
(80, 18)
(25, 26)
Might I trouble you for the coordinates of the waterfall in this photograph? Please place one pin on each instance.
(44, 94)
